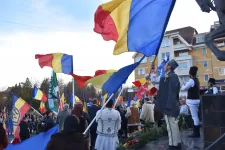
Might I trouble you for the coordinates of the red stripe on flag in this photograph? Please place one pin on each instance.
(82, 79)
(105, 25)
(44, 60)
(44, 97)
(137, 83)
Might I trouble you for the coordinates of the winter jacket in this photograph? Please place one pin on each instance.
(69, 141)
(167, 101)
(61, 118)
(4, 142)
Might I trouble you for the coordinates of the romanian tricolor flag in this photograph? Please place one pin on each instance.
(135, 25)
(100, 77)
(140, 82)
(59, 62)
(20, 108)
(39, 95)
(42, 107)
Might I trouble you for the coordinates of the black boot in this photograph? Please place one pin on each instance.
(174, 148)
(196, 132)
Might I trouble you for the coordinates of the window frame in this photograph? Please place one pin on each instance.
(182, 65)
(220, 73)
(206, 63)
(205, 51)
(138, 71)
(205, 76)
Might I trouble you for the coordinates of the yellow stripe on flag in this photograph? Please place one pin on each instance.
(85, 107)
(120, 13)
(143, 81)
(39, 95)
(56, 62)
(19, 103)
(98, 81)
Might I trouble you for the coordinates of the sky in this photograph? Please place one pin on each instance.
(29, 27)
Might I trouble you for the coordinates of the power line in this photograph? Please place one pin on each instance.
(17, 23)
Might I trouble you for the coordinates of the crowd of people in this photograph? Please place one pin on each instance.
(115, 123)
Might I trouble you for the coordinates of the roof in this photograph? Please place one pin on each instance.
(187, 33)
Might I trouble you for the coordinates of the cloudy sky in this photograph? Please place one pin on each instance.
(29, 27)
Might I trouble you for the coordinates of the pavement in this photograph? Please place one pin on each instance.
(187, 143)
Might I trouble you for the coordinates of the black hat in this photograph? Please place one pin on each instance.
(212, 80)
(173, 64)
(193, 70)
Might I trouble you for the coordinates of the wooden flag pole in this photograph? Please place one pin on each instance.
(36, 111)
(85, 132)
(118, 97)
(73, 90)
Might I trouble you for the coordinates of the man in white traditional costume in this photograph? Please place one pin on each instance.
(109, 123)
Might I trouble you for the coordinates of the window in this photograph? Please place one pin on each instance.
(205, 63)
(165, 54)
(183, 65)
(183, 54)
(204, 51)
(185, 78)
(200, 39)
(141, 71)
(139, 58)
(151, 58)
(221, 71)
(206, 77)
(165, 43)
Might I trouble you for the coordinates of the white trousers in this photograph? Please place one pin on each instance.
(173, 130)
(193, 106)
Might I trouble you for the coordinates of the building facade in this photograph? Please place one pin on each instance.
(187, 47)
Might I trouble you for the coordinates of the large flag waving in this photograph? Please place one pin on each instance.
(135, 25)
(100, 77)
(53, 93)
(20, 108)
(120, 77)
(37, 142)
(39, 95)
(59, 62)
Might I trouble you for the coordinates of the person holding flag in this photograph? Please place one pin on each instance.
(167, 103)
(92, 110)
(3, 137)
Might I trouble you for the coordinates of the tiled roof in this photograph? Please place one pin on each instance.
(187, 33)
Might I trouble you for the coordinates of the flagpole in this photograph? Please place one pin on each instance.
(36, 111)
(97, 115)
(73, 90)
(118, 97)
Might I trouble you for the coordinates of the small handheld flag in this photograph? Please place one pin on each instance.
(39, 95)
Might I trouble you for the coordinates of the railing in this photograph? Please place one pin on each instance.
(178, 47)
(221, 44)
(214, 143)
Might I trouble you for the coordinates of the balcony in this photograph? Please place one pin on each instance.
(185, 62)
(221, 44)
(178, 47)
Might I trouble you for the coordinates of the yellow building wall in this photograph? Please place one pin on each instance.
(146, 65)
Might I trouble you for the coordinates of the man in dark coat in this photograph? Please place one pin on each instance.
(24, 132)
(168, 103)
(92, 110)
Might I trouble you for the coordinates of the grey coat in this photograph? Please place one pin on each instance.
(62, 117)
(167, 101)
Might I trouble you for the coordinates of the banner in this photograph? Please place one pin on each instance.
(52, 93)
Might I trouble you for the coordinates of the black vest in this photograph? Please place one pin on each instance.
(194, 92)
